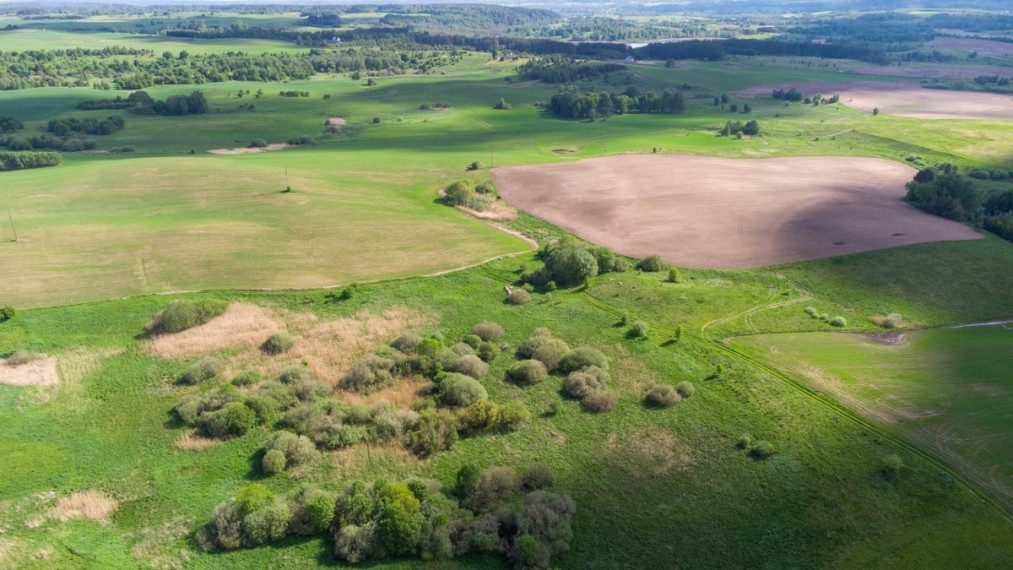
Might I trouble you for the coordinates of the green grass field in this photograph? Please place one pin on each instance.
(653, 487)
(945, 389)
(103, 232)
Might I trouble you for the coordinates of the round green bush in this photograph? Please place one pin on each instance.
(838, 321)
(761, 450)
(471, 365)
(812, 312)
(460, 390)
(639, 329)
(744, 442)
(526, 372)
(488, 331)
(538, 476)
(407, 343)
(472, 340)
(600, 401)
(582, 382)
(202, 370)
(277, 344)
(7, 313)
(539, 337)
(273, 462)
(518, 297)
(247, 378)
(551, 352)
(258, 143)
(488, 351)
(685, 388)
(651, 264)
(663, 396)
(462, 349)
(582, 358)
(320, 511)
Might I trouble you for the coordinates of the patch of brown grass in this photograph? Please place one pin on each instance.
(243, 325)
(401, 395)
(86, 505)
(389, 460)
(191, 441)
(648, 452)
(498, 212)
(330, 348)
(38, 372)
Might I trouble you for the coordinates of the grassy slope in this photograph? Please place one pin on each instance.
(670, 479)
(946, 389)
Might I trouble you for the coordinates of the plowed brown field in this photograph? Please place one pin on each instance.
(718, 213)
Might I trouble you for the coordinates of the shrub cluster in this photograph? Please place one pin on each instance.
(203, 370)
(182, 315)
(570, 262)
(526, 372)
(891, 321)
(651, 264)
(7, 313)
(257, 516)
(418, 518)
(24, 159)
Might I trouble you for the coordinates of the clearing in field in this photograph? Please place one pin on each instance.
(903, 99)
(716, 213)
(949, 390)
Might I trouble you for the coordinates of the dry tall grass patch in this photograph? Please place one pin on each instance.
(40, 372)
(191, 441)
(86, 505)
(401, 395)
(243, 325)
(330, 348)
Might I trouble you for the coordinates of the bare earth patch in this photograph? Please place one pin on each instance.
(87, 505)
(717, 213)
(249, 150)
(37, 373)
(903, 99)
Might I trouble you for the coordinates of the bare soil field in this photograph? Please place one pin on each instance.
(717, 213)
(904, 99)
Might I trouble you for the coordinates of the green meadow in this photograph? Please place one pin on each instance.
(946, 389)
(111, 237)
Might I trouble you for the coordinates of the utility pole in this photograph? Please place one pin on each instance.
(492, 159)
(287, 185)
(11, 218)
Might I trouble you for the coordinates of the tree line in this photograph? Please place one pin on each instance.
(717, 50)
(11, 160)
(562, 69)
(573, 104)
(943, 191)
